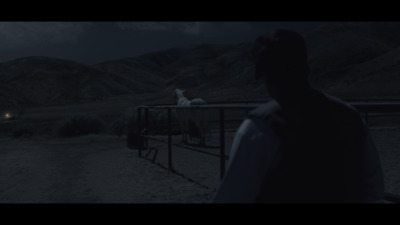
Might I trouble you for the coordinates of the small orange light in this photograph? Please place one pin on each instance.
(7, 115)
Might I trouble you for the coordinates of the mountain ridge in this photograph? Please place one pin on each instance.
(349, 60)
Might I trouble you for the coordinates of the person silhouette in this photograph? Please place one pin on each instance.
(303, 146)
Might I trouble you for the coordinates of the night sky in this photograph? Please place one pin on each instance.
(94, 42)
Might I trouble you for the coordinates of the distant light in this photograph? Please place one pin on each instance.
(7, 115)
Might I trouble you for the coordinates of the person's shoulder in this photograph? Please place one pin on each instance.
(254, 127)
(260, 121)
(341, 105)
(265, 111)
(251, 126)
(345, 111)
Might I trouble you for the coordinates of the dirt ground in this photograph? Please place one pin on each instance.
(387, 142)
(92, 169)
(101, 169)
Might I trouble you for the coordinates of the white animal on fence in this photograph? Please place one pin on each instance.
(199, 117)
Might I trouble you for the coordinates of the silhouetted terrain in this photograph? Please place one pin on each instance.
(49, 81)
(351, 60)
(356, 60)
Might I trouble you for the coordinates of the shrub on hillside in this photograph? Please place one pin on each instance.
(22, 132)
(80, 125)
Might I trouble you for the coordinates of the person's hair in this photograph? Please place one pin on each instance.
(284, 51)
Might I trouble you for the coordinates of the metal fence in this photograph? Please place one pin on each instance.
(367, 108)
(221, 111)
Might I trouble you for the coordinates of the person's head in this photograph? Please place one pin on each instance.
(281, 60)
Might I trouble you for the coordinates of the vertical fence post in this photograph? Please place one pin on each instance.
(139, 128)
(169, 140)
(222, 141)
(146, 125)
(366, 113)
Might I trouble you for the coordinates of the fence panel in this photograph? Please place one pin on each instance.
(368, 110)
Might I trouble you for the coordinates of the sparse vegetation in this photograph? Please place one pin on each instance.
(158, 121)
(80, 125)
(119, 126)
(22, 131)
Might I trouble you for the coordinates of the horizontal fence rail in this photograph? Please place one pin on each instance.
(378, 107)
(219, 106)
(223, 157)
(366, 106)
(184, 146)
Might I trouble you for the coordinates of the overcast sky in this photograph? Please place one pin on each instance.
(94, 42)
